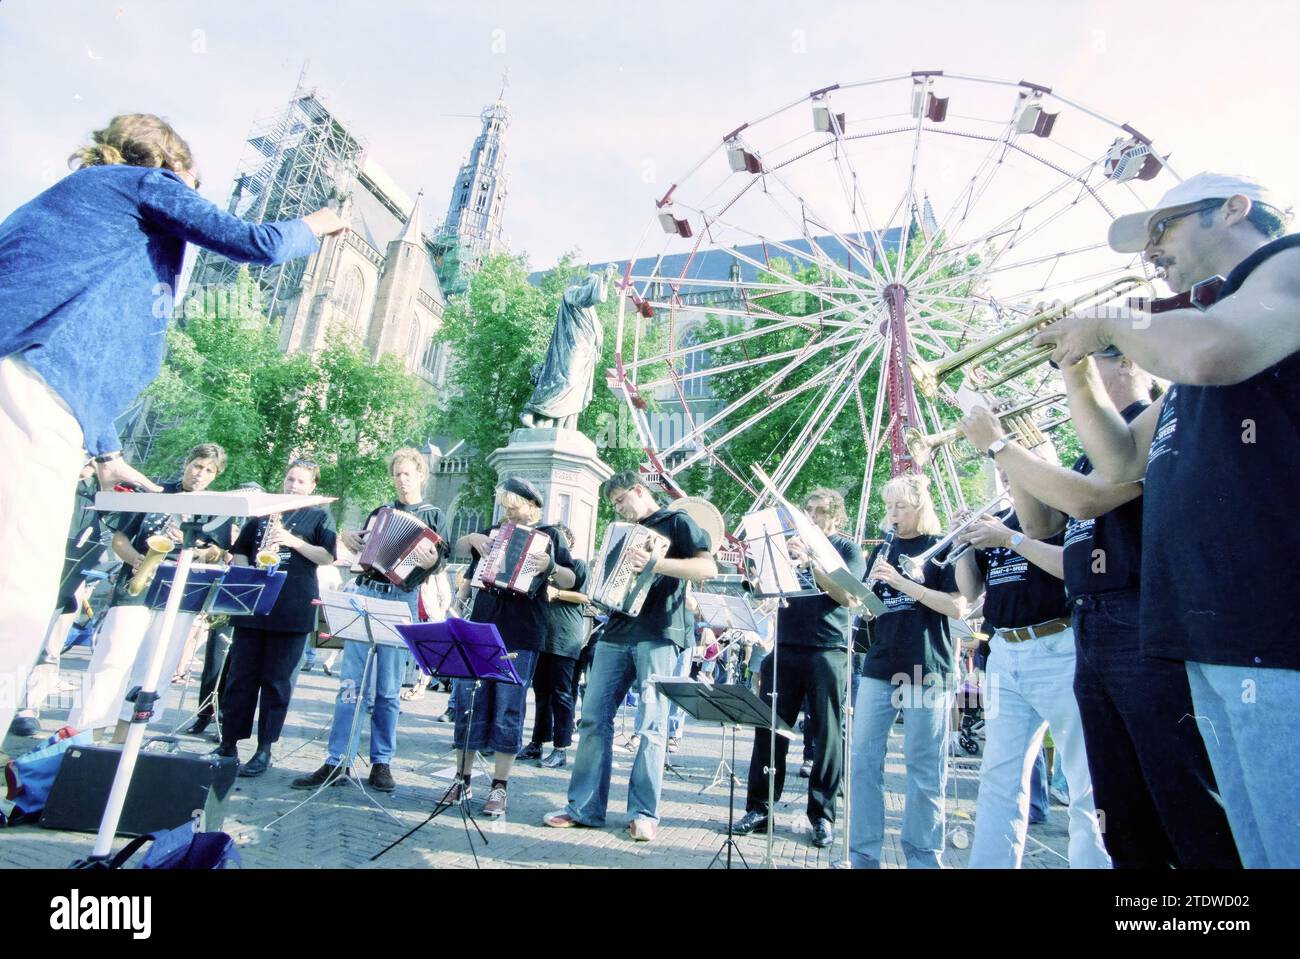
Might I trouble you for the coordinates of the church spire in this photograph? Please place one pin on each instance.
(411, 232)
(472, 229)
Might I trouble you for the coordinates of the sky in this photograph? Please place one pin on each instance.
(611, 102)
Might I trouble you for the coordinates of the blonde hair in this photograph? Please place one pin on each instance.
(914, 490)
(135, 139)
(514, 501)
(408, 454)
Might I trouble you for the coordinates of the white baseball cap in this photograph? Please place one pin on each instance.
(1129, 234)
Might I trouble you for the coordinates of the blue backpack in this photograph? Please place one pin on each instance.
(29, 777)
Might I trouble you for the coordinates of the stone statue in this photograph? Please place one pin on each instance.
(563, 381)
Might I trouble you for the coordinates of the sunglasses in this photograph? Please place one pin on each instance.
(305, 464)
(1157, 229)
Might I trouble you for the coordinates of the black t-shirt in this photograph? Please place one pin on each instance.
(1104, 555)
(566, 627)
(431, 516)
(293, 611)
(664, 614)
(910, 635)
(521, 620)
(819, 621)
(138, 527)
(1018, 593)
(1220, 534)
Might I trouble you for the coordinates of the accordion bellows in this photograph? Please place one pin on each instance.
(618, 589)
(391, 537)
(515, 559)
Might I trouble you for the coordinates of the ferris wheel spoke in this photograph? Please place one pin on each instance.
(873, 445)
(766, 386)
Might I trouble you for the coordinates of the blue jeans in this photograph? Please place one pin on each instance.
(1250, 722)
(677, 715)
(387, 671)
(614, 670)
(1038, 798)
(1030, 686)
(925, 738)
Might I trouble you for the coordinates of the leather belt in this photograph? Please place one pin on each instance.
(1022, 634)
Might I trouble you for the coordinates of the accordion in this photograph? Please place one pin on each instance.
(618, 589)
(515, 560)
(391, 536)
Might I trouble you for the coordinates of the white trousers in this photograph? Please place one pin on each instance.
(43, 453)
(127, 640)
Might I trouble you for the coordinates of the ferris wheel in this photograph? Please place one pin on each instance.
(808, 297)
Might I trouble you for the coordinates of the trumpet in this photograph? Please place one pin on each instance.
(159, 546)
(1010, 348)
(268, 556)
(1017, 420)
(942, 553)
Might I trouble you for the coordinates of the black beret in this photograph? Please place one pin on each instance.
(521, 487)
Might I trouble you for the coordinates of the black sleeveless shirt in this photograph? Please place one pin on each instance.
(1221, 521)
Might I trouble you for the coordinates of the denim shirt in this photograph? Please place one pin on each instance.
(88, 271)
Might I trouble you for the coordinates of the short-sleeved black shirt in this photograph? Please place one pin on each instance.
(1016, 592)
(664, 614)
(1104, 555)
(566, 626)
(431, 516)
(521, 620)
(909, 636)
(138, 527)
(819, 621)
(293, 611)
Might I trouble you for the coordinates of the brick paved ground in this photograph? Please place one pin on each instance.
(341, 829)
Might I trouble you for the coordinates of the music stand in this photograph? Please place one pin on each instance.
(458, 649)
(733, 706)
(357, 616)
(197, 507)
(232, 590)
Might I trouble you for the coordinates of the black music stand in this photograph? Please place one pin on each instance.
(733, 706)
(232, 590)
(458, 649)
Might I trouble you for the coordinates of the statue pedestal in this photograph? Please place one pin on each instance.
(564, 465)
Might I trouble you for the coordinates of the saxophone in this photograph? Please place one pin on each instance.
(268, 557)
(159, 547)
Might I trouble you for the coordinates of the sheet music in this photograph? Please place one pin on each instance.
(721, 612)
(766, 532)
(346, 622)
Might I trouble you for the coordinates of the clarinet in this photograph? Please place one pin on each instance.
(883, 554)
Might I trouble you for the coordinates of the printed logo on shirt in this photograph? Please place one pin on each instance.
(895, 602)
(1166, 426)
(1006, 566)
(1078, 531)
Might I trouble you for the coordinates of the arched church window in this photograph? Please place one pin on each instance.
(354, 286)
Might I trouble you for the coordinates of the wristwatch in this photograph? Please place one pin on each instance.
(108, 457)
(1016, 539)
(997, 446)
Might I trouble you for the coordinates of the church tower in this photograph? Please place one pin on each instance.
(394, 324)
(473, 226)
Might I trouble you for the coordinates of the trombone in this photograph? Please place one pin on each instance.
(1010, 349)
(1016, 419)
(943, 553)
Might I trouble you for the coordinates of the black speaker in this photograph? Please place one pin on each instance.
(166, 790)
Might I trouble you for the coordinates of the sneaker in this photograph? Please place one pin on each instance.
(643, 830)
(752, 821)
(674, 744)
(381, 778)
(327, 772)
(559, 819)
(823, 833)
(558, 759)
(458, 791)
(805, 771)
(633, 744)
(531, 751)
(495, 805)
(446, 717)
(24, 726)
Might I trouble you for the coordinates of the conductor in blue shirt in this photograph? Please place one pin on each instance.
(82, 326)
